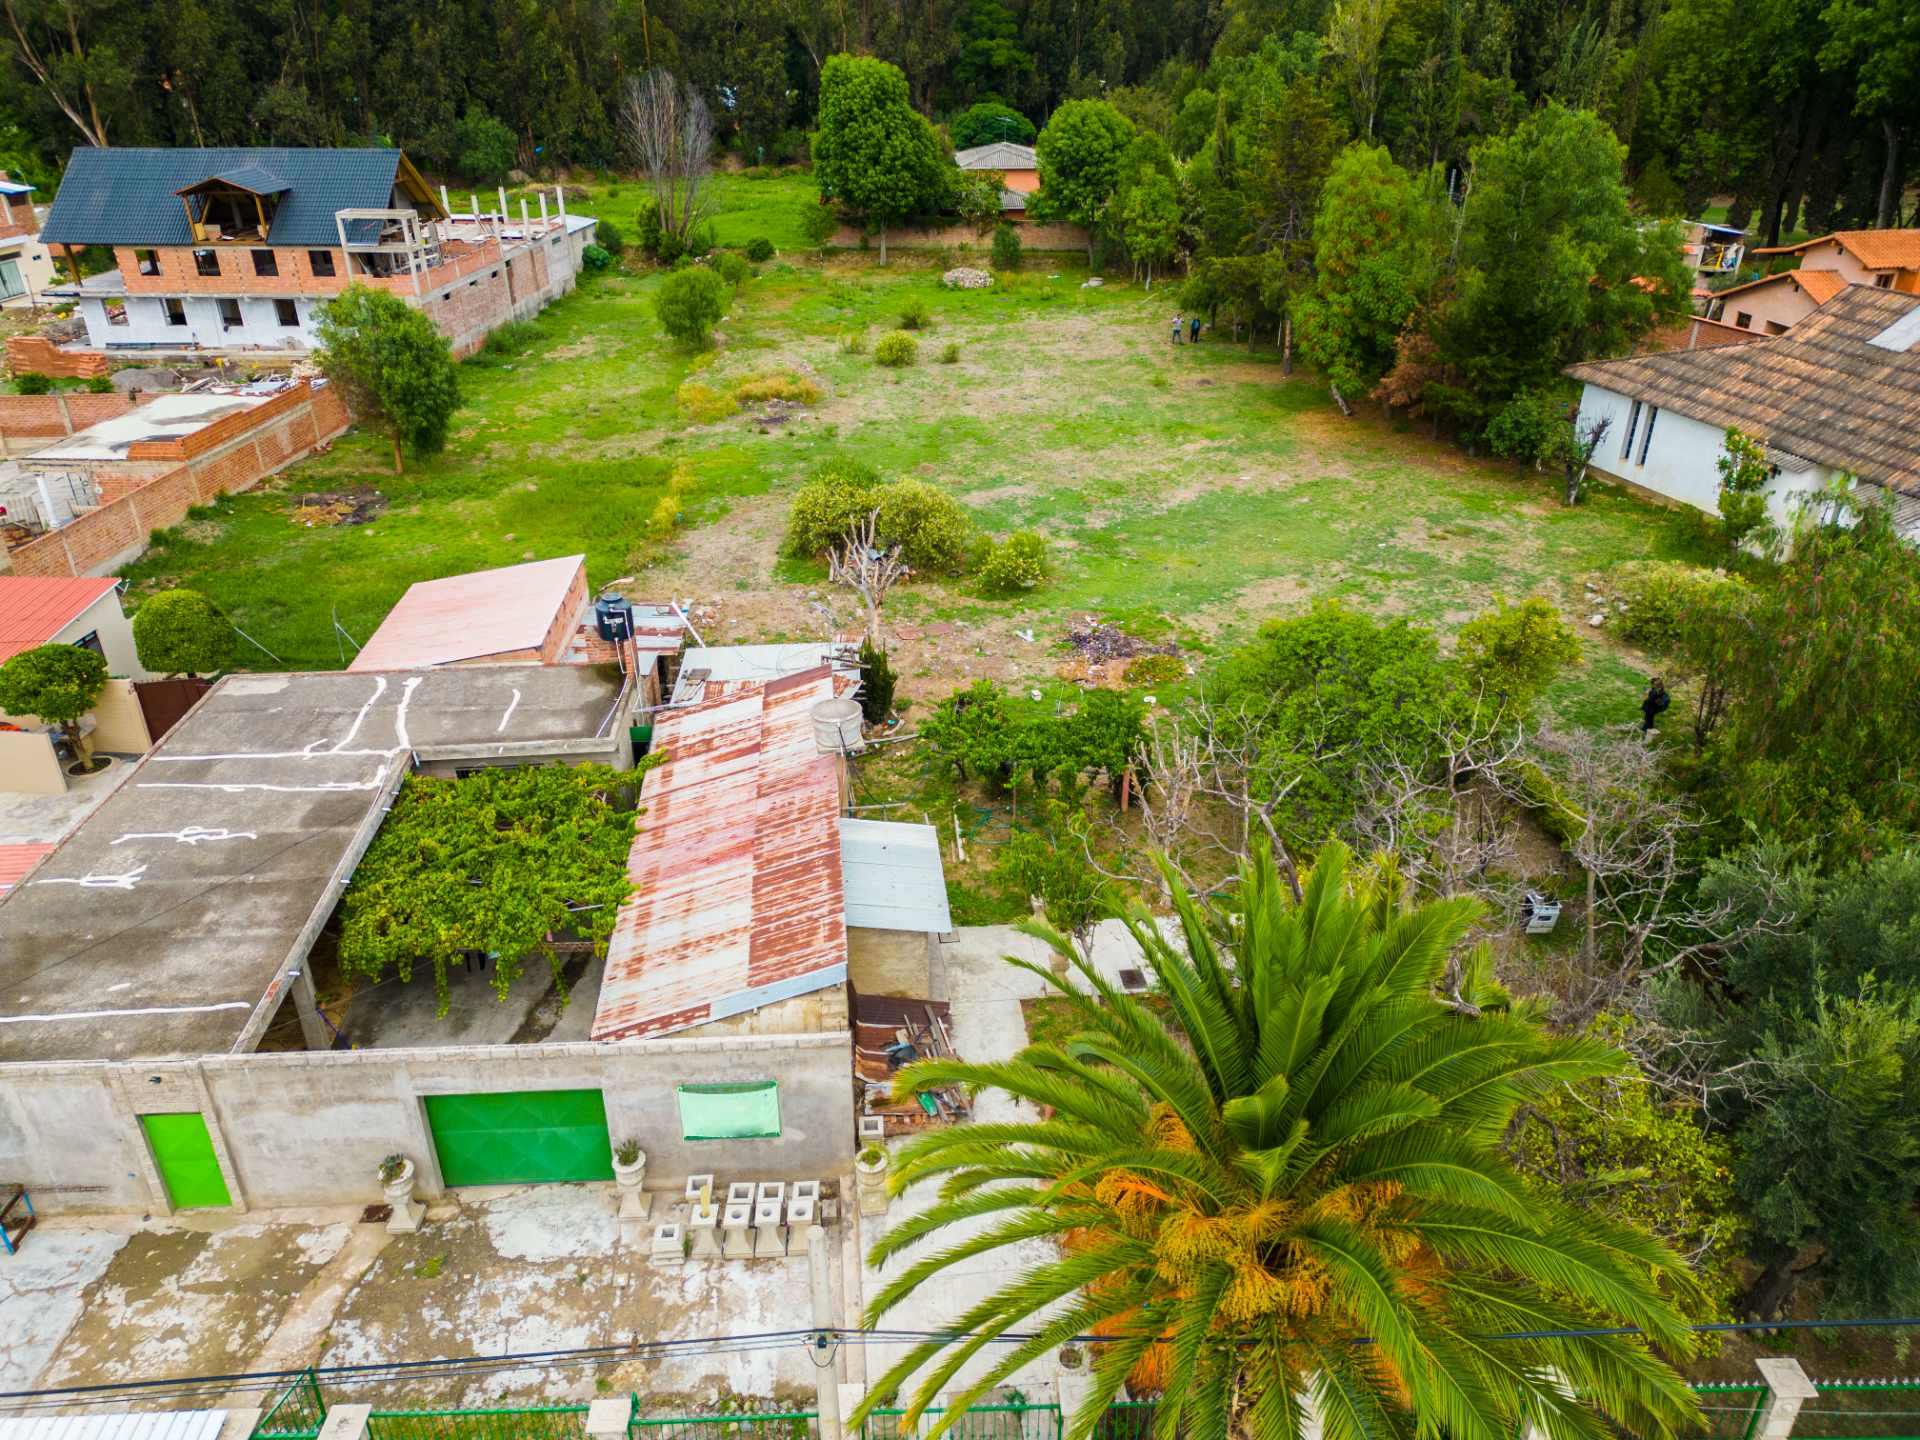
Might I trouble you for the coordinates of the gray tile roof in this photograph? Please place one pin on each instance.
(128, 196)
(1000, 155)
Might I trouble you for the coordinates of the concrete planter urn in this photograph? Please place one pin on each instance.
(397, 1179)
(629, 1175)
(870, 1173)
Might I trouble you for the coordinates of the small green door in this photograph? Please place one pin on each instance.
(518, 1136)
(184, 1152)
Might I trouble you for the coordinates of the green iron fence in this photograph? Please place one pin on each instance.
(1861, 1410)
(1126, 1420)
(533, 1422)
(981, 1422)
(787, 1425)
(297, 1414)
(1731, 1410)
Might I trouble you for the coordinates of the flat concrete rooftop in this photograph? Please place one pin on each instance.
(165, 417)
(166, 924)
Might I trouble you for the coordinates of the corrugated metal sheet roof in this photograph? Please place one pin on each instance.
(128, 195)
(736, 864)
(997, 155)
(17, 861)
(727, 666)
(151, 1425)
(33, 609)
(893, 876)
(467, 617)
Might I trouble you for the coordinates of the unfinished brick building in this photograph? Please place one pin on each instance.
(235, 249)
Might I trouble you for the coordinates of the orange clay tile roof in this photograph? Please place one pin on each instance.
(34, 609)
(1820, 285)
(1875, 249)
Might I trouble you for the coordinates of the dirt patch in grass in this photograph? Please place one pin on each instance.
(336, 507)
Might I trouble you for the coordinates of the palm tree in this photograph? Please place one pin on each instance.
(1287, 1199)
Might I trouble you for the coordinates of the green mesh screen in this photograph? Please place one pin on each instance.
(730, 1112)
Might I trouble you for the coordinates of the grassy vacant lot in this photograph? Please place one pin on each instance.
(1189, 492)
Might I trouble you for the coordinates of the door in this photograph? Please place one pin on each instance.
(517, 1136)
(184, 1152)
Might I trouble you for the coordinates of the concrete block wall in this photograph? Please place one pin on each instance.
(310, 1128)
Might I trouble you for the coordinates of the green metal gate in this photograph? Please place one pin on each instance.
(521, 1135)
(183, 1151)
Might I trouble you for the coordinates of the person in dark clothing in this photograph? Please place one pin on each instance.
(1194, 331)
(1654, 705)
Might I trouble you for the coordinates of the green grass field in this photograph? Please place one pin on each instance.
(1190, 491)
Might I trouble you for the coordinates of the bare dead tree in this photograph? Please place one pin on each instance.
(668, 129)
(1577, 451)
(869, 570)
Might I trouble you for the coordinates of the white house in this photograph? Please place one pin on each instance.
(1839, 394)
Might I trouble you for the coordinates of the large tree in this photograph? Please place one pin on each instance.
(395, 370)
(59, 684)
(181, 632)
(874, 153)
(1288, 1191)
(1080, 158)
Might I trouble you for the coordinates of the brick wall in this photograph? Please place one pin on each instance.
(29, 422)
(221, 431)
(135, 503)
(179, 275)
(1033, 236)
(43, 357)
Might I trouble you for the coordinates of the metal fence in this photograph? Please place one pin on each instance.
(1126, 1420)
(982, 1422)
(785, 1425)
(533, 1422)
(297, 1414)
(1731, 1410)
(1861, 1410)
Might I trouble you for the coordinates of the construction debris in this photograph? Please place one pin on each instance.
(337, 508)
(1096, 640)
(965, 277)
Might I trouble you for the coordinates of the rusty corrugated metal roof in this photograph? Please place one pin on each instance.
(736, 862)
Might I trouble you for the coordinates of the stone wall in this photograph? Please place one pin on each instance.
(309, 1128)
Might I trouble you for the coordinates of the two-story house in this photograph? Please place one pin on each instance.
(234, 249)
(1773, 305)
(26, 269)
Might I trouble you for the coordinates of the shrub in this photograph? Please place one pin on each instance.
(689, 303)
(819, 223)
(777, 385)
(669, 249)
(837, 496)
(950, 352)
(1154, 670)
(1513, 652)
(1006, 247)
(1660, 593)
(596, 258)
(1015, 564)
(664, 516)
(513, 338)
(100, 385)
(877, 683)
(606, 234)
(759, 249)
(702, 404)
(700, 239)
(733, 269)
(896, 350)
(179, 632)
(854, 342)
(32, 382)
(916, 314)
(929, 525)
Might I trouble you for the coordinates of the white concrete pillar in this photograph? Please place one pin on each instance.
(345, 1422)
(607, 1419)
(445, 204)
(313, 1030)
(1788, 1388)
(560, 199)
(543, 212)
(525, 231)
(826, 1382)
(474, 196)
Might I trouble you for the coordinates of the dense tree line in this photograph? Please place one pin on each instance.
(1796, 108)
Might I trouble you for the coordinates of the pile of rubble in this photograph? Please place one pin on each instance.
(1101, 653)
(965, 277)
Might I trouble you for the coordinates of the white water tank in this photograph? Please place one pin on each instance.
(836, 727)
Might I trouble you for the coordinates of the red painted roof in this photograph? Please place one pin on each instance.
(34, 609)
(17, 860)
(468, 617)
(736, 859)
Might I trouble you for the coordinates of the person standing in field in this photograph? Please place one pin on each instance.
(1176, 329)
(1654, 705)
(1195, 333)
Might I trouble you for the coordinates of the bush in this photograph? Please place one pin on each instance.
(759, 250)
(700, 239)
(777, 385)
(929, 525)
(1660, 593)
(32, 382)
(596, 258)
(854, 342)
(1513, 652)
(702, 404)
(179, 632)
(100, 385)
(1017, 563)
(732, 269)
(689, 303)
(1006, 247)
(513, 338)
(916, 315)
(896, 350)
(1154, 670)
(837, 496)
(877, 683)
(819, 223)
(950, 352)
(606, 234)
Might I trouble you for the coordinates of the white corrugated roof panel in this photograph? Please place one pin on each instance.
(146, 1425)
(893, 875)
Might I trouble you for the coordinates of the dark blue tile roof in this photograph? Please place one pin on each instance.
(256, 178)
(128, 196)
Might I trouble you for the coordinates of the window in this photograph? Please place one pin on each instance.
(207, 262)
(10, 282)
(285, 312)
(230, 317)
(1883, 281)
(747, 1111)
(1646, 439)
(1633, 424)
(147, 262)
(176, 312)
(320, 262)
(1743, 319)
(91, 641)
(1774, 327)
(265, 262)
(116, 312)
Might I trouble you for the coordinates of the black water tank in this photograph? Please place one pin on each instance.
(613, 617)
